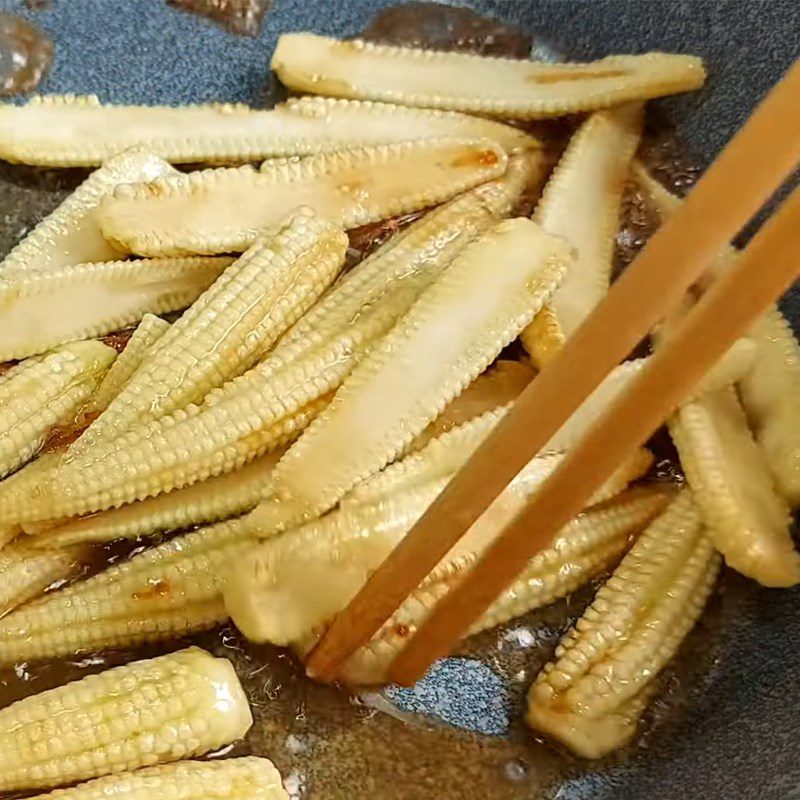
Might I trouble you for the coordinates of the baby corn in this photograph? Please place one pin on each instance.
(44, 391)
(220, 211)
(141, 343)
(26, 571)
(231, 779)
(142, 714)
(208, 501)
(591, 696)
(166, 591)
(70, 235)
(80, 131)
(581, 202)
(481, 85)
(40, 310)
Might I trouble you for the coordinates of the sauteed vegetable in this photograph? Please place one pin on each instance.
(278, 420)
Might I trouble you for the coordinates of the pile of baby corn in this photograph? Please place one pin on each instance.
(294, 418)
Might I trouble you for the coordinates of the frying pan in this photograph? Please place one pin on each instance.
(739, 716)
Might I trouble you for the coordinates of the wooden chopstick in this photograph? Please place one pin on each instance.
(754, 163)
(764, 271)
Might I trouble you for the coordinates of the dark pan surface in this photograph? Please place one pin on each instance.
(737, 736)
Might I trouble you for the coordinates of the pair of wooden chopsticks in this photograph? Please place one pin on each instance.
(744, 176)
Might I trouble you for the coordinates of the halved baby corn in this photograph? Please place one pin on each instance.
(44, 391)
(470, 314)
(139, 346)
(26, 571)
(770, 392)
(335, 555)
(238, 422)
(208, 501)
(478, 84)
(591, 695)
(145, 713)
(160, 456)
(71, 235)
(748, 521)
(581, 202)
(232, 324)
(167, 591)
(439, 458)
(80, 131)
(220, 211)
(230, 779)
(40, 310)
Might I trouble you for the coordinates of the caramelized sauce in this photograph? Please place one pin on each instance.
(25, 55)
(242, 17)
(333, 746)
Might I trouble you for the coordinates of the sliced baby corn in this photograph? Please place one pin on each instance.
(231, 779)
(585, 548)
(139, 346)
(494, 86)
(748, 521)
(770, 391)
(40, 310)
(43, 391)
(234, 322)
(145, 713)
(439, 458)
(252, 415)
(220, 211)
(449, 337)
(167, 591)
(71, 235)
(161, 456)
(26, 571)
(591, 695)
(208, 501)
(581, 202)
(335, 555)
(80, 131)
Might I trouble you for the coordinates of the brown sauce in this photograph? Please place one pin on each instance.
(25, 55)
(439, 27)
(327, 744)
(242, 17)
